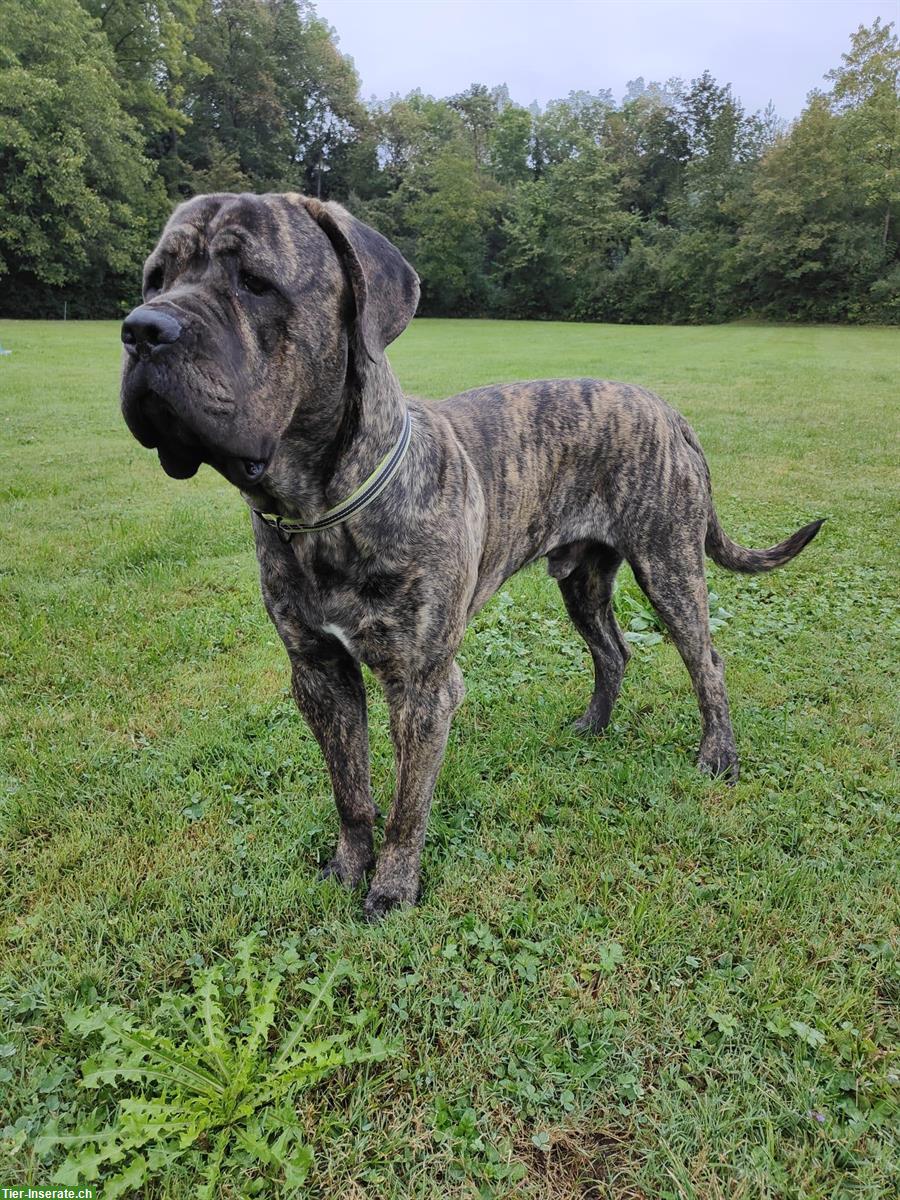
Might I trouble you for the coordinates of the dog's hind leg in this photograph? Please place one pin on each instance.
(587, 589)
(674, 582)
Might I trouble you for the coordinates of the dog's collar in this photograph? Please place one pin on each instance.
(368, 491)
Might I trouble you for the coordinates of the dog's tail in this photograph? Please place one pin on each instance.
(727, 553)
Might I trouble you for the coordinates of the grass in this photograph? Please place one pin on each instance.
(623, 981)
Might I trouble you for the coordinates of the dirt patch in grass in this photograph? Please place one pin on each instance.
(590, 1164)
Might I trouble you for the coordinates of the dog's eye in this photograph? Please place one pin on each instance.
(155, 280)
(253, 284)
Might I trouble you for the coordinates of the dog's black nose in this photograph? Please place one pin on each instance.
(147, 329)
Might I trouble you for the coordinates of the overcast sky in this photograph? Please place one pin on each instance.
(542, 49)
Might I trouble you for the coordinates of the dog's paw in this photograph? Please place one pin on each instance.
(720, 760)
(595, 718)
(337, 871)
(589, 724)
(395, 883)
(388, 893)
(378, 904)
(347, 870)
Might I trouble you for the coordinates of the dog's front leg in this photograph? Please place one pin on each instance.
(330, 693)
(421, 709)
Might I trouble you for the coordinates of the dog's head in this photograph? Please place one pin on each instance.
(253, 307)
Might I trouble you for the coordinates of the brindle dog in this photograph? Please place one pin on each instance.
(259, 349)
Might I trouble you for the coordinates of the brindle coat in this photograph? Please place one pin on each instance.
(260, 349)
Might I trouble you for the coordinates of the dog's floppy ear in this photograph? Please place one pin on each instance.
(385, 287)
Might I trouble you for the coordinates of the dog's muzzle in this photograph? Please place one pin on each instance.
(164, 417)
(183, 438)
(157, 426)
(147, 332)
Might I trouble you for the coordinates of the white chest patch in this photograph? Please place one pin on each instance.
(342, 636)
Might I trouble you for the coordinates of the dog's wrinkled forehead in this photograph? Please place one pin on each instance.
(271, 235)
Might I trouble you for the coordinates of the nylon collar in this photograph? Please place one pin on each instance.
(368, 491)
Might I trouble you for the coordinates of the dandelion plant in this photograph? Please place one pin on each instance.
(208, 1084)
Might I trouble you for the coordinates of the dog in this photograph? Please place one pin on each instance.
(383, 523)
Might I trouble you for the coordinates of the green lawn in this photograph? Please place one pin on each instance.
(623, 980)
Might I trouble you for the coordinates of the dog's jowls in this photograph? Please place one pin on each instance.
(259, 349)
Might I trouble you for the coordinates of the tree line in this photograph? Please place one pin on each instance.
(671, 204)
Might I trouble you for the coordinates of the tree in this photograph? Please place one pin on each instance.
(528, 270)
(648, 148)
(674, 205)
(279, 104)
(804, 252)
(566, 125)
(332, 138)
(816, 240)
(157, 70)
(150, 43)
(865, 94)
(411, 130)
(720, 147)
(449, 221)
(511, 145)
(478, 108)
(591, 228)
(79, 202)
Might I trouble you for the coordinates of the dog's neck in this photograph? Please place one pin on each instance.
(315, 468)
(374, 413)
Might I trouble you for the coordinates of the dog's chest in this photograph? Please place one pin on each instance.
(369, 606)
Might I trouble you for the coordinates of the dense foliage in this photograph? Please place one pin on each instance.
(674, 204)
